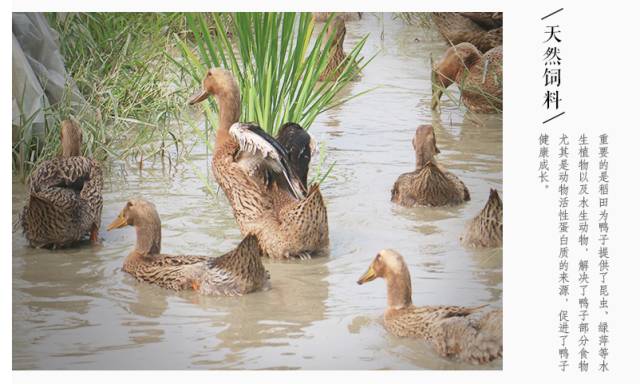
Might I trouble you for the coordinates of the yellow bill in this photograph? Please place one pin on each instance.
(198, 97)
(368, 276)
(119, 222)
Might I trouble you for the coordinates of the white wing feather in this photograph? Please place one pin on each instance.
(250, 142)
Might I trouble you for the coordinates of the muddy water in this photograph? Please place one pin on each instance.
(75, 309)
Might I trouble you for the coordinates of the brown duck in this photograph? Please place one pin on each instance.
(482, 29)
(336, 32)
(268, 198)
(430, 184)
(235, 273)
(478, 76)
(466, 333)
(64, 202)
(485, 230)
(321, 17)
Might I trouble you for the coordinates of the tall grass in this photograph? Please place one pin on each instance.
(119, 64)
(276, 62)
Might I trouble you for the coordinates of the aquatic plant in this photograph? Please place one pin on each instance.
(118, 63)
(275, 61)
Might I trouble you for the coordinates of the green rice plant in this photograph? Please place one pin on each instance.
(276, 62)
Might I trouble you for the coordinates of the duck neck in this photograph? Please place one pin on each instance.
(399, 290)
(148, 238)
(423, 157)
(71, 147)
(228, 114)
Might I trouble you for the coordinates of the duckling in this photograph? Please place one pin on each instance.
(300, 146)
(268, 198)
(485, 230)
(478, 76)
(64, 202)
(430, 184)
(235, 273)
(458, 28)
(465, 333)
(336, 31)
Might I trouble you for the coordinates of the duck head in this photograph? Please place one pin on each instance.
(70, 138)
(451, 67)
(300, 146)
(390, 266)
(221, 84)
(217, 82)
(142, 215)
(424, 144)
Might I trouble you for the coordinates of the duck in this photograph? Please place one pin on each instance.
(485, 229)
(470, 334)
(64, 196)
(478, 76)
(486, 20)
(235, 273)
(300, 146)
(482, 30)
(321, 17)
(430, 183)
(268, 198)
(336, 31)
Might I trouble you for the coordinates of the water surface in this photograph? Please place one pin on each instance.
(75, 309)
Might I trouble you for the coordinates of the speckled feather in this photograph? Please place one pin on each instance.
(337, 57)
(457, 28)
(478, 76)
(285, 226)
(459, 332)
(432, 185)
(64, 202)
(237, 272)
(485, 230)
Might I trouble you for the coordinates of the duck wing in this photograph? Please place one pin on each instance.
(65, 201)
(300, 146)
(259, 150)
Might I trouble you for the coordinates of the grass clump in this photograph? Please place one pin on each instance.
(275, 61)
(119, 65)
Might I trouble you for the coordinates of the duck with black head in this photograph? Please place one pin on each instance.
(267, 195)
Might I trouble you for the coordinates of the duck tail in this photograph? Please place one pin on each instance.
(314, 230)
(249, 246)
(494, 197)
(487, 343)
(314, 200)
(493, 207)
(474, 338)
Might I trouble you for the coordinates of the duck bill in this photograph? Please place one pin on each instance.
(119, 222)
(198, 97)
(367, 277)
